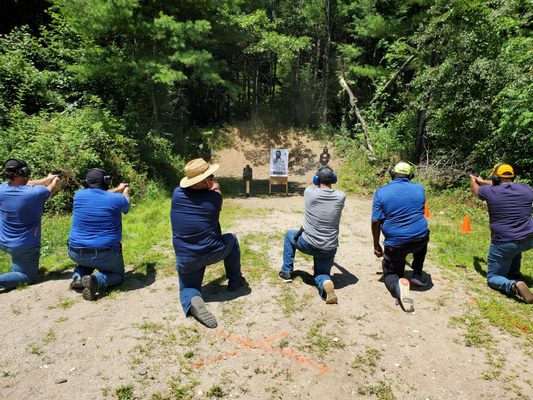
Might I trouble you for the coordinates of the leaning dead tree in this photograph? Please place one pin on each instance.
(353, 103)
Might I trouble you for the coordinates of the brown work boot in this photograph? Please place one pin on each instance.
(521, 290)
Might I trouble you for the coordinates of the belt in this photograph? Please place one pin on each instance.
(89, 249)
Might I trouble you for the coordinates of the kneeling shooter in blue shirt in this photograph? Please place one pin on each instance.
(398, 212)
(96, 233)
(198, 240)
(21, 208)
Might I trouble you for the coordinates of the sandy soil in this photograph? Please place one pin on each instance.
(274, 341)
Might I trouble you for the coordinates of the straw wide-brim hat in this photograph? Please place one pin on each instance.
(197, 170)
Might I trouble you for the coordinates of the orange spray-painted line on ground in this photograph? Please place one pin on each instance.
(264, 345)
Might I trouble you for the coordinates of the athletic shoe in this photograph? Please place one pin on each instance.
(406, 301)
(521, 289)
(90, 287)
(76, 284)
(201, 314)
(329, 288)
(285, 276)
(238, 285)
(417, 280)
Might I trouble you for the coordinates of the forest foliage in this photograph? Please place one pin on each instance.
(138, 86)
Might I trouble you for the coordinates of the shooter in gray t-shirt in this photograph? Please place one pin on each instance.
(319, 235)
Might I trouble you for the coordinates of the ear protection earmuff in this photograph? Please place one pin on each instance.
(496, 180)
(23, 171)
(316, 181)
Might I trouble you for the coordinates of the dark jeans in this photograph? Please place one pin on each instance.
(24, 267)
(322, 259)
(191, 269)
(394, 261)
(108, 262)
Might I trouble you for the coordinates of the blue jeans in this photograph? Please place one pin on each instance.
(109, 262)
(191, 269)
(24, 267)
(322, 259)
(504, 261)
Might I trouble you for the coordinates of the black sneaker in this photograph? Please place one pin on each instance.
(285, 276)
(418, 280)
(201, 314)
(404, 298)
(76, 284)
(90, 287)
(233, 287)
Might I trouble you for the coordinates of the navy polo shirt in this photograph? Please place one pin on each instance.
(194, 215)
(399, 206)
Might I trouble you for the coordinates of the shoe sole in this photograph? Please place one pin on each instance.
(406, 301)
(285, 280)
(90, 287)
(331, 297)
(201, 314)
(524, 292)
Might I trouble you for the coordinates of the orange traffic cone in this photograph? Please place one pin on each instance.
(426, 211)
(465, 228)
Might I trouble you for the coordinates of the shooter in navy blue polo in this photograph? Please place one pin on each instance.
(398, 212)
(21, 208)
(96, 234)
(198, 240)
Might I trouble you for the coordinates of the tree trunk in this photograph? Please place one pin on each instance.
(353, 103)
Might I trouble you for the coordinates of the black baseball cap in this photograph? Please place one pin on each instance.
(14, 164)
(97, 178)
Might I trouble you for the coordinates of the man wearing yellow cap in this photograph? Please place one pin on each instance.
(398, 212)
(198, 240)
(511, 227)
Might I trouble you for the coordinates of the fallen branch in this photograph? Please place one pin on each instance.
(353, 103)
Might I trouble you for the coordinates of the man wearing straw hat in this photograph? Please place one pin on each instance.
(398, 212)
(511, 227)
(198, 240)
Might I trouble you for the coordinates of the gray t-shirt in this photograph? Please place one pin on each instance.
(323, 209)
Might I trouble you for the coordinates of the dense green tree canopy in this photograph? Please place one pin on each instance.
(438, 82)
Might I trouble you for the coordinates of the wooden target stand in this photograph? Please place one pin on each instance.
(278, 180)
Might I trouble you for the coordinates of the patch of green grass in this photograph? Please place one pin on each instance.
(180, 391)
(124, 392)
(382, 391)
(368, 361)
(50, 337)
(34, 349)
(320, 342)
(64, 303)
(287, 300)
(215, 391)
(148, 326)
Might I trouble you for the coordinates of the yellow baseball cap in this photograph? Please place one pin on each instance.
(403, 168)
(503, 171)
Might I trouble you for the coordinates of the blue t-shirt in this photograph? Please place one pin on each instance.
(21, 208)
(509, 207)
(399, 206)
(194, 215)
(97, 219)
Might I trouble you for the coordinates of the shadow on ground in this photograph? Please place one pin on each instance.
(345, 278)
(214, 291)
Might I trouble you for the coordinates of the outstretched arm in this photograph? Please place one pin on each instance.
(44, 181)
(476, 182)
(52, 187)
(376, 231)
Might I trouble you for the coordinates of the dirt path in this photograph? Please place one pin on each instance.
(276, 341)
